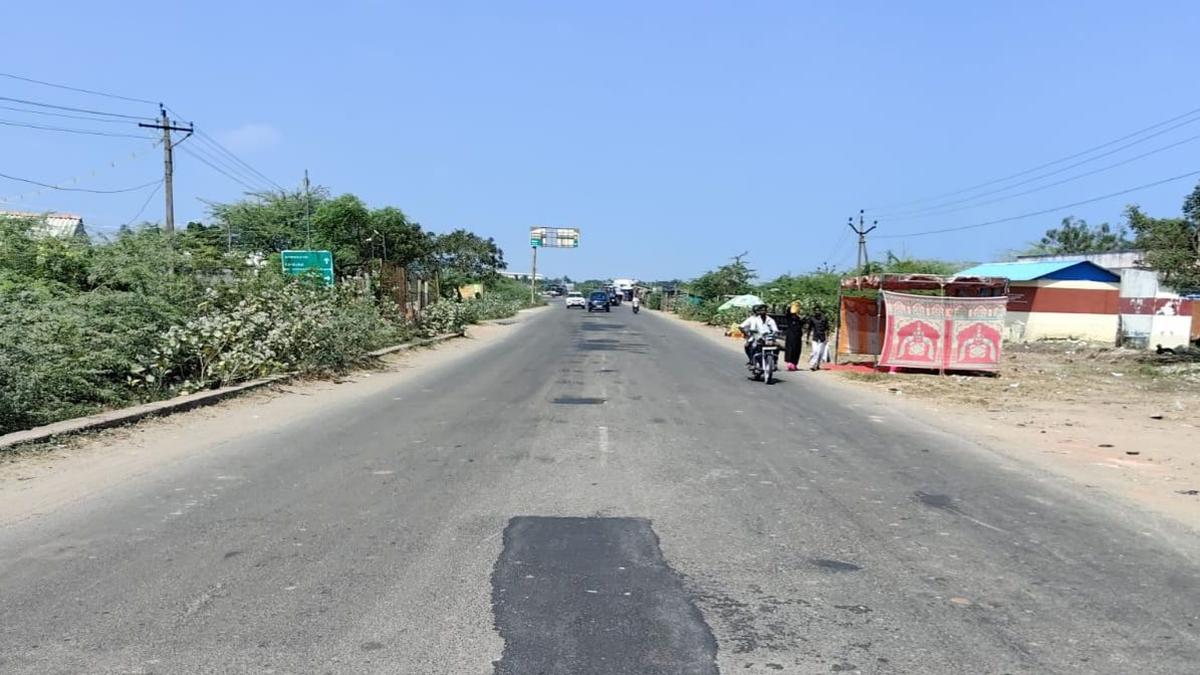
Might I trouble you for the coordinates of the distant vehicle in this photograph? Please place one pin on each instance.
(575, 299)
(597, 301)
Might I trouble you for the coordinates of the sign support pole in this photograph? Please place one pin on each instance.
(533, 277)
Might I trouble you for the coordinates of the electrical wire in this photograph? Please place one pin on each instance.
(225, 163)
(1040, 166)
(68, 108)
(1049, 185)
(78, 89)
(221, 171)
(10, 123)
(54, 114)
(217, 147)
(1044, 175)
(1041, 212)
(837, 246)
(144, 204)
(69, 189)
(213, 142)
(245, 177)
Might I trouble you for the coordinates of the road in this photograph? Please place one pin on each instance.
(599, 493)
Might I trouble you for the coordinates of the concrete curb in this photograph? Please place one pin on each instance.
(116, 418)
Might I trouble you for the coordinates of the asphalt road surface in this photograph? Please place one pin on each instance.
(599, 493)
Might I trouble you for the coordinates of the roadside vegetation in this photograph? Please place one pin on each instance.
(1171, 246)
(90, 326)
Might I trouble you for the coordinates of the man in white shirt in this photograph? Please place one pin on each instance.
(758, 325)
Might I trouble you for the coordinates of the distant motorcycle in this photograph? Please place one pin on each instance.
(766, 358)
(635, 309)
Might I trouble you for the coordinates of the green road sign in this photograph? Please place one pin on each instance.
(296, 263)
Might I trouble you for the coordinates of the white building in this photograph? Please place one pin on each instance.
(50, 224)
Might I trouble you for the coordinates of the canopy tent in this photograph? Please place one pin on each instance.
(741, 301)
(955, 317)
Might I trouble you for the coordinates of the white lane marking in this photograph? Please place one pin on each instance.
(604, 449)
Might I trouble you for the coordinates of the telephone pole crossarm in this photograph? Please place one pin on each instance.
(164, 124)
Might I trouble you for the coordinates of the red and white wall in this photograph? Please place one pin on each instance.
(1048, 309)
(1151, 315)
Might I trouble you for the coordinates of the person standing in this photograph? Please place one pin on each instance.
(818, 327)
(793, 328)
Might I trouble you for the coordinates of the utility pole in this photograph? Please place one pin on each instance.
(863, 260)
(533, 278)
(308, 216)
(164, 123)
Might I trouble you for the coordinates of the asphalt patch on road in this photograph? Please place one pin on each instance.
(578, 400)
(594, 596)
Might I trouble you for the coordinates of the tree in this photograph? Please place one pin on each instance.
(1075, 236)
(464, 257)
(731, 279)
(1171, 245)
(406, 243)
(271, 221)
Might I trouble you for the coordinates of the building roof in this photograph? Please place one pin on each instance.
(50, 224)
(1060, 270)
(1113, 260)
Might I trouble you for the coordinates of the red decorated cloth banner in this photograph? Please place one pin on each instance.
(937, 333)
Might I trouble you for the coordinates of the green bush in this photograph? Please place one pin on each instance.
(63, 355)
(262, 326)
(731, 316)
(704, 311)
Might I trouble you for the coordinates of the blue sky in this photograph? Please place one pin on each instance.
(674, 134)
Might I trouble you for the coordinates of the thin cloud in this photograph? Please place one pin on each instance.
(251, 137)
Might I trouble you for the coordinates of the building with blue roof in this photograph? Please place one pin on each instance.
(1057, 299)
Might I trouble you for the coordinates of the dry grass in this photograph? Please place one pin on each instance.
(1060, 371)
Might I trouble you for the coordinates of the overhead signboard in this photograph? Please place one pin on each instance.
(298, 263)
(554, 237)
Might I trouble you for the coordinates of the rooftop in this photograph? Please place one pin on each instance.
(1063, 270)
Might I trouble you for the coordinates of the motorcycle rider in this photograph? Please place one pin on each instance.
(758, 325)
(637, 302)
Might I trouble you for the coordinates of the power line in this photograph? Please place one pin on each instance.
(84, 91)
(221, 171)
(1047, 174)
(136, 153)
(231, 168)
(1042, 212)
(1040, 166)
(69, 189)
(212, 141)
(1049, 185)
(10, 123)
(217, 147)
(144, 205)
(73, 109)
(54, 114)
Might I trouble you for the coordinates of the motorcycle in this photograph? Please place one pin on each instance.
(635, 309)
(766, 358)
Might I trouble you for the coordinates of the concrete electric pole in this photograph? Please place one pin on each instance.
(164, 123)
(863, 260)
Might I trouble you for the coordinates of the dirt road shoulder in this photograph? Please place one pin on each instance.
(1095, 417)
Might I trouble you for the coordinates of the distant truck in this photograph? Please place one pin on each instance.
(625, 288)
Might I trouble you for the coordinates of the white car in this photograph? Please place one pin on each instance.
(576, 300)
